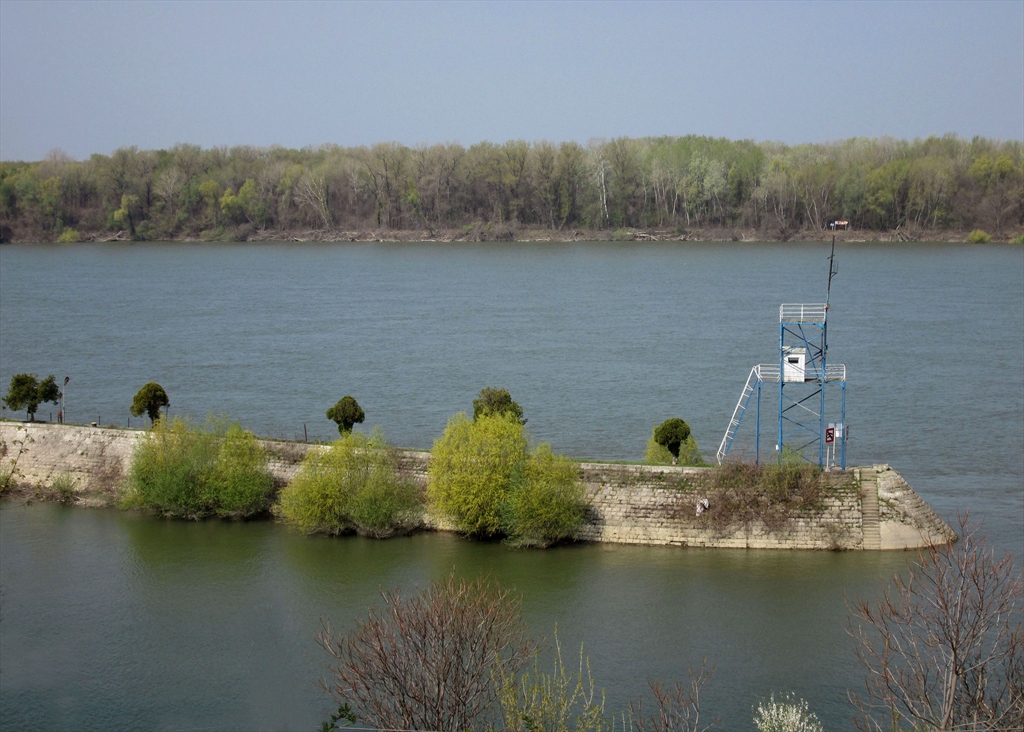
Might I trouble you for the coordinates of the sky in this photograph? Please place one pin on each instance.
(90, 77)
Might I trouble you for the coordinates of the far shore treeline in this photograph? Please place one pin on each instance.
(492, 191)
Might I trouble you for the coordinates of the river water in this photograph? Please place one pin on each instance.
(114, 620)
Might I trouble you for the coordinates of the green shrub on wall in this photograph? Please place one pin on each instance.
(743, 494)
(186, 471)
(547, 506)
(351, 486)
(484, 479)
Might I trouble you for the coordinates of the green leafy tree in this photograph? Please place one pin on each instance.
(483, 478)
(473, 468)
(128, 212)
(497, 401)
(148, 401)
(27, 392)
(231, 207)
(210, 192)
(347, 413)
(671, 434)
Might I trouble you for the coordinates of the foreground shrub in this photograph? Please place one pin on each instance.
(351, 486)
(943, 648)
(430, 662)
(677, 707)
(560, 701)
(484, 479)
(789, 714)
(186, 471)
(979, 236)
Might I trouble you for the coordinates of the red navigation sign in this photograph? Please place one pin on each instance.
(830, 434)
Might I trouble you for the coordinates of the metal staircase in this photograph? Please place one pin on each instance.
(760, 374)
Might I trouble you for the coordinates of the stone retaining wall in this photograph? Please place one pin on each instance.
(628, 504)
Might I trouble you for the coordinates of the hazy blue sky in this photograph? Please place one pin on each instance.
(94, 76)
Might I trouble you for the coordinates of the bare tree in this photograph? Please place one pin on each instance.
(432, 662)
(311, 193)
(168, 187)
(944, 649)
(678, 707)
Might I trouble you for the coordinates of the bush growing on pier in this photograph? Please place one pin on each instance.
(351, 486)
(658, 454)
(671, 434)
(547, 506)
(186, 471)
(483, 477)
(473, 468)
(743, 494)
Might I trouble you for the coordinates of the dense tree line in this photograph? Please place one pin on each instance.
(492, 189)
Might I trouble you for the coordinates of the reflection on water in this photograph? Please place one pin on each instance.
(118, 620)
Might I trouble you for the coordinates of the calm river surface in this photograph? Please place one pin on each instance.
(111, 620)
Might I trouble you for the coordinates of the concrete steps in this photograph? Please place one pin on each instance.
(869, 512)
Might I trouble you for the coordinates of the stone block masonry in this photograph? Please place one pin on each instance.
(627, 504)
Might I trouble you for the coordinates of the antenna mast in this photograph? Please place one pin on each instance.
(831, 272)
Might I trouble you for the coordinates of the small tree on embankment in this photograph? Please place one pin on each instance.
(346, 413)
(497, 401)
(28, 392)
(148, 400)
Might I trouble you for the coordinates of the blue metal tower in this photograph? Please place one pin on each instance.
(802, 373)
